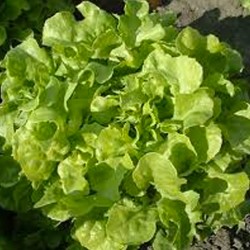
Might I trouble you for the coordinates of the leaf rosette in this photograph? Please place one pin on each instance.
(129, 128)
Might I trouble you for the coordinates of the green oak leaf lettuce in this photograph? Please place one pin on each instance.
(125, 128)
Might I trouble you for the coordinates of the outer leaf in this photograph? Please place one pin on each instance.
(234, 60)
(51, 195)
(78, 205)
(181, 153)
(227, 158)
(190, 42)
(93, 236)
(194, 109)
(57, 212)
(17, 198)
(207, 141)
(138, 8)
(128, 25)
(182, 73)
(172, 214)
(52, 31)
(111, 143)
(31, 158)
(161, 242)
(106, 181)
(98, 21)
(220, 84)
(102, 72)
(237, 186)
(237, 128)
(131, 225)
(9, 170)
(71, 171)
(245, 3)
(104, 109)
(149, 31)
(37, 61)
(61, 207)
(157, 169)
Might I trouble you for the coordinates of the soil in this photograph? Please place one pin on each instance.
(227, 239)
